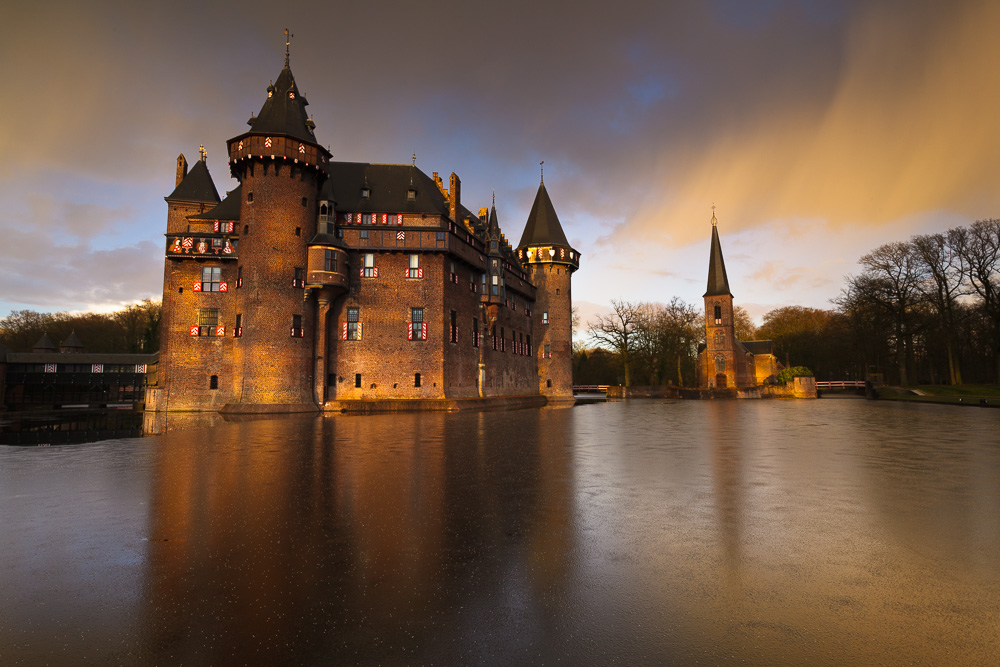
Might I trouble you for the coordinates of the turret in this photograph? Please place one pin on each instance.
(551, 261)
(281, 169)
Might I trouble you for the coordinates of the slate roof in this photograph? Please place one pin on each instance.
(758, 346)
(72, 341)
(387, 185)
(228, 208)
(282, 114)
(543, 226)
(44, 343)
(718, 281)
(197, 186)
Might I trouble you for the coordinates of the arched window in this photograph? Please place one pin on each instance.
(720, 337)
(718, 314)
(720, 364)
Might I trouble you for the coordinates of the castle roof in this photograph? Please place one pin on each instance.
(387, 188)
(197, 186)
(72, 342)
(543, 226)
(44, 344)
(758, 346)
(718, 281)
(284, 110)
(228, 208)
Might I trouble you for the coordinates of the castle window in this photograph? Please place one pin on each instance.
(718, 314)
(557, 291)
(521, 336)
(411, 195)
(299, 279)
(357, 381)
(503, 341)
(720, 337)
(454, 327)
(369, 270)
(365, 194)
(416, 328)
(416, 379)
(298, 231)
(210, 277)
(548, 383)
(363, 237)
(305, 202)
(366, 218)
(238, 329)
(528, 351)
(453, 273)
(414, 271)
(249, 197)
(352, 327)
(720, 364)
(475, 332)
(329, 260)
(545, 317)
(213, 382)
(297, 330)
(493, 332)
(246, 230)
(208, 321)
(323, 210)
(495, 287)
(547, 354)
(239, 277)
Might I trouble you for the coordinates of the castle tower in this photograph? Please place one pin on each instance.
(551, 262)
(718, 364)
(281, 169)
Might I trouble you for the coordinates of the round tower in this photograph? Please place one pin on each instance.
(551, 262)
(281, 168)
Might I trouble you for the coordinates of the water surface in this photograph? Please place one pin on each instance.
(641, 532)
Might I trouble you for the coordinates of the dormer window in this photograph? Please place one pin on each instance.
(411, 195)
(366, 193)
(291, 94)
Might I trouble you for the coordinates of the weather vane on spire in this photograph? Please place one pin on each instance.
(288, 43)
(202, 153)
(715, 222)
(541, 168)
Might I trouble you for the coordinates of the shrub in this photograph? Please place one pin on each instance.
(795, 371)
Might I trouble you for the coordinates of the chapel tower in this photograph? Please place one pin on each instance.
(551, 262)
(719, 363)
(281, 168)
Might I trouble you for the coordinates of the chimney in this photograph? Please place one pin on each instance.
(182, 169)
(455, 197)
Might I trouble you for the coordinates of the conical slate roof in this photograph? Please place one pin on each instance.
(718, 281)
(44, 344)
(543, 226)
(284, 110)
(72, 342)
(197, 186)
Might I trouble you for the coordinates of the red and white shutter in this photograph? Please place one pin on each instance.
(409, 331)
(343, 335)
(193, 331)
(423, 331)
(359, 330)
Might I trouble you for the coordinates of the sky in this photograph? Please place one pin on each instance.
(819, 129)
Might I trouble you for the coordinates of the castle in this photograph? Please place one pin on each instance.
(724, 362)
(323, 285)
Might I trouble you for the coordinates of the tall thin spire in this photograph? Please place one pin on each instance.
(288, 43)
(718, 281)
(541, 169)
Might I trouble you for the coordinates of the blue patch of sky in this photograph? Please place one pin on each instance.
(755, 15)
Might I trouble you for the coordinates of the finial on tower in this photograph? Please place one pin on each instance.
(202, 153)
(494, 197)
(715, 223)
(414, 163)
(541, 168)
(288, 43)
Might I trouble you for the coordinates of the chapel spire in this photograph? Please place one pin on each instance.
(718, 281)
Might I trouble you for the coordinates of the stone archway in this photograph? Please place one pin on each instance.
(720, 381)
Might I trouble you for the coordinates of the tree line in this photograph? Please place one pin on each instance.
(923, 311)
(132, 329)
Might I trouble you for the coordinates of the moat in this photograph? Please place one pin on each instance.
(830, 532)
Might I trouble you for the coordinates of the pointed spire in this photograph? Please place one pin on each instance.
(543, 226)
(718, 281)
(284, 110)
(44, 344)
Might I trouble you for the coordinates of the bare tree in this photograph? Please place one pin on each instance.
(943, 283)
(617, 332)
(980, 251)
(743, 326)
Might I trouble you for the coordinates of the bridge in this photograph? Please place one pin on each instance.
(590, 388)
(841, 384)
